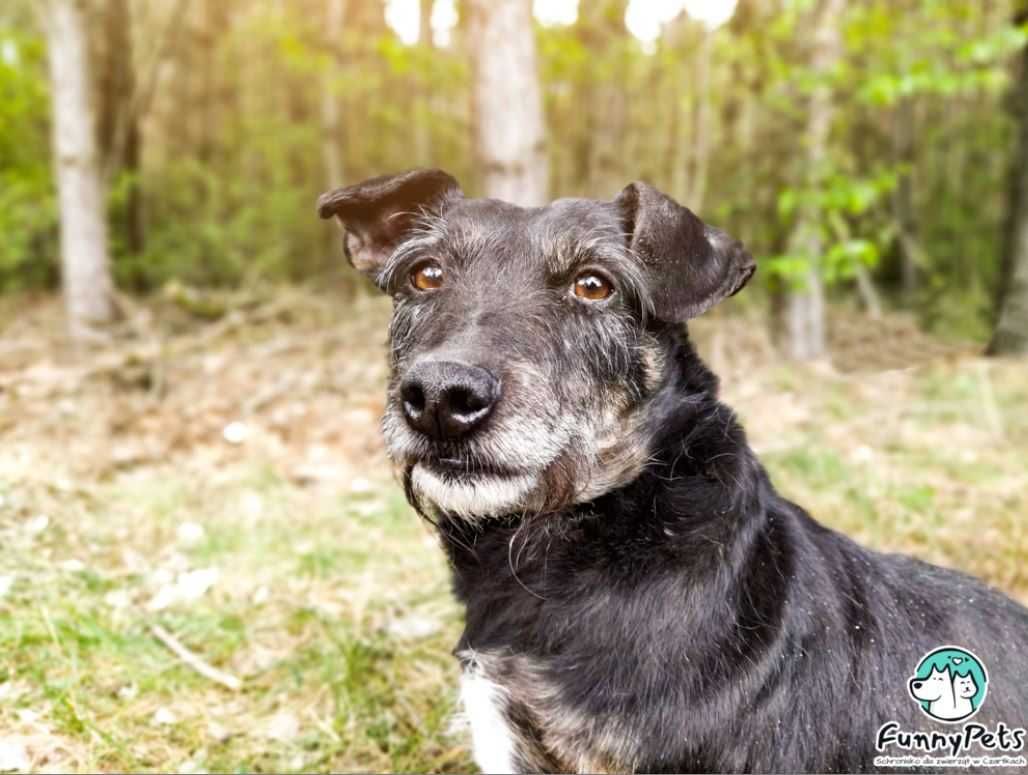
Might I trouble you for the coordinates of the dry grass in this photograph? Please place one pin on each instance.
(226, 482)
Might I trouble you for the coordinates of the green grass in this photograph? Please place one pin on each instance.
(301, 612)
(331, 600)
(932, 462)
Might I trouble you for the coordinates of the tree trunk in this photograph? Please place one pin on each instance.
(509, 130)
(677, 150)
(1011, 334)
(423, 99)
(601, 25)
(118, 131)
(868, 294)
(801, 323)
(331, 124)
(802, 334)
(700, 144)
(88, 290)
(425, 22)
(911, 252)
(675, 35)
(204, 80)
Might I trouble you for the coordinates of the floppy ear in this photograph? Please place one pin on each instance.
(378, 214)
(690, 266)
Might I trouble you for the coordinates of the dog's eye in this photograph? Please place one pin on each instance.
(427, 276)
(593, 286)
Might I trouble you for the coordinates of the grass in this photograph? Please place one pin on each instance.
(311, 590)
(289, 559)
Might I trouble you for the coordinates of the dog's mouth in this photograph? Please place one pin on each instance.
(462, 467)
(470, 487)
(490, 473)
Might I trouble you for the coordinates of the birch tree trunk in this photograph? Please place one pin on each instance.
(802, 331)
(509, 130)
(88, 291)
(1011, 334)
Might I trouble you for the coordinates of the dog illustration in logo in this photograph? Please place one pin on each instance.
(949, 684)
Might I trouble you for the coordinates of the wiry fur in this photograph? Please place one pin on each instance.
(638, 597)
(552, 430)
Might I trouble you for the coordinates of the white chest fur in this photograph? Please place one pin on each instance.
(483, 703)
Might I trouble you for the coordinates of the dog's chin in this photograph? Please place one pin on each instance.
(472, 495)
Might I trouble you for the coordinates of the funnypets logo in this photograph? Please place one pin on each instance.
(950, 684)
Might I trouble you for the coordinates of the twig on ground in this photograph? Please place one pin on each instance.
(195, 662)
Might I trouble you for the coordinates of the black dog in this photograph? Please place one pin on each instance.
(639, 598)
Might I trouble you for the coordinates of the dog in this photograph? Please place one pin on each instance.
(638, 597)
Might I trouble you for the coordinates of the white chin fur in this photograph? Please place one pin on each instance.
(478, 497)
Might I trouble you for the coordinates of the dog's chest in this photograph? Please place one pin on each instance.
(485, 705)
(520, 723)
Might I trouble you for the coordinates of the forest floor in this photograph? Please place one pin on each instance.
(221, 486)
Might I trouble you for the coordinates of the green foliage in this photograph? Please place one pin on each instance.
(234, 144)
(28, 214)
(845, 212)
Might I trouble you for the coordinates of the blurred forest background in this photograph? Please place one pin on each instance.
(866, 152)
(206, 564)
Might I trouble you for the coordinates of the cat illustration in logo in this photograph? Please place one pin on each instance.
(949, 684)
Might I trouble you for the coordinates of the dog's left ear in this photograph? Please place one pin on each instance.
(380, 213)
(691, 266)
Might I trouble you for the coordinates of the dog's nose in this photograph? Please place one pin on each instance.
(447, 400)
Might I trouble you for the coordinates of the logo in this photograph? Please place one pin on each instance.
(949, 684)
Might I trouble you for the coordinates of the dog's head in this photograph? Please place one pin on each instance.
(932, 687)
(527, 344)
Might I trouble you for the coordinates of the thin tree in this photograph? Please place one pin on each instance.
(118, 121)
(507, 97)
(1011, 334)
(912, 255)
(86, 278)
(422, 124)
(700, 133)
(425, 22)
(331, 123)
(800, 318)
(601, 27)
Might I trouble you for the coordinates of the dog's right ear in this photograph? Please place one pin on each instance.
(378, 214)
(691, 266)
